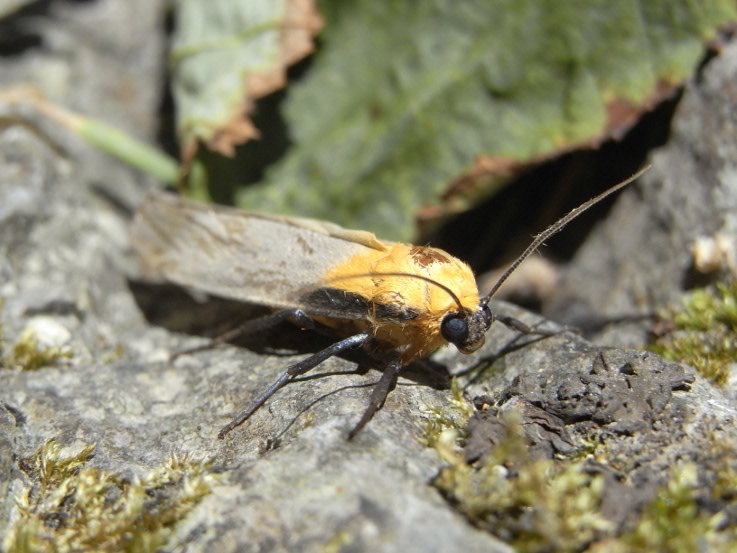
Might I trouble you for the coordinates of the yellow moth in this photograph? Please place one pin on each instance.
(401, 299)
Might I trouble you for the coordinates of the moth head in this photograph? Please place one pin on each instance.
(467, 330)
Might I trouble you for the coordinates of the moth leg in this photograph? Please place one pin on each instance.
(251, 326)
(295, 370)
(378, 395)
(519, 326)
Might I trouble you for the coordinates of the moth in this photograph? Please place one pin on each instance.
(401, 299)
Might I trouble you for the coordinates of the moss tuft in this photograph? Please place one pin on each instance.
(449, 418)
(707, 308)
(535, 505)
(556, 505)
(679, 521)
(68, 506)
(28, 354)
(705, 332)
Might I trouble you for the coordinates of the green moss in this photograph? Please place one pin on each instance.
(534, 505)
(555, 505)
(68, 506)
(449, 418)
(28, 354)
(677, 520)
(707, 308)
(704, 334)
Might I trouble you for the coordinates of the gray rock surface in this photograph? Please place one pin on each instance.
(64, 263)
(290, 481)
(640, 259)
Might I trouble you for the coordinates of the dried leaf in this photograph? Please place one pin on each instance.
(226, 54)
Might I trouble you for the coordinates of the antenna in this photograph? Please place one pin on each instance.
(556, 227)
(443, 287)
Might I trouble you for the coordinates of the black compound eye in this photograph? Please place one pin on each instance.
(454, 329)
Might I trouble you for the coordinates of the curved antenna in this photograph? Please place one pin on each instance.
(556, 227)
(443, 287)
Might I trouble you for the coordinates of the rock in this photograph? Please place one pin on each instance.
(289, 479)
(640, 259)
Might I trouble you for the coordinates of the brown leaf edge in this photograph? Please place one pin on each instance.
(301, 24)
(490, 173)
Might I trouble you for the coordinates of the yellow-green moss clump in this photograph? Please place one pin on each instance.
(453, 417)
(28, 354)
(675, 522)
(534, 505)
(68, 506)
(543, 505)
(705, 334)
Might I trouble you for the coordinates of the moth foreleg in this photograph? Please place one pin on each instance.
(252, 326)
(519, 326)
(379, 394)
(295, 370)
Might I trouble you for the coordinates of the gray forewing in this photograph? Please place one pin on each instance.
(234, 254)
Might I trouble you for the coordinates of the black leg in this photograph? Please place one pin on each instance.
(295, 370)
(523, 328)
(378, 395)
(254, 325)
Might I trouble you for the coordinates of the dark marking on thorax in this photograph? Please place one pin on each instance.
(426, 256)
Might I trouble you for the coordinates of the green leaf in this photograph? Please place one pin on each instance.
(226, 53)
(404, 96)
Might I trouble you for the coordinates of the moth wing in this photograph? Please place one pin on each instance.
(274, 261)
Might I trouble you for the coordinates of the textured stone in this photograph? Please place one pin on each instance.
(290, 479)
(640, 259)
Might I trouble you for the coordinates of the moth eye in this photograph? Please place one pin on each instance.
(454, 329)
